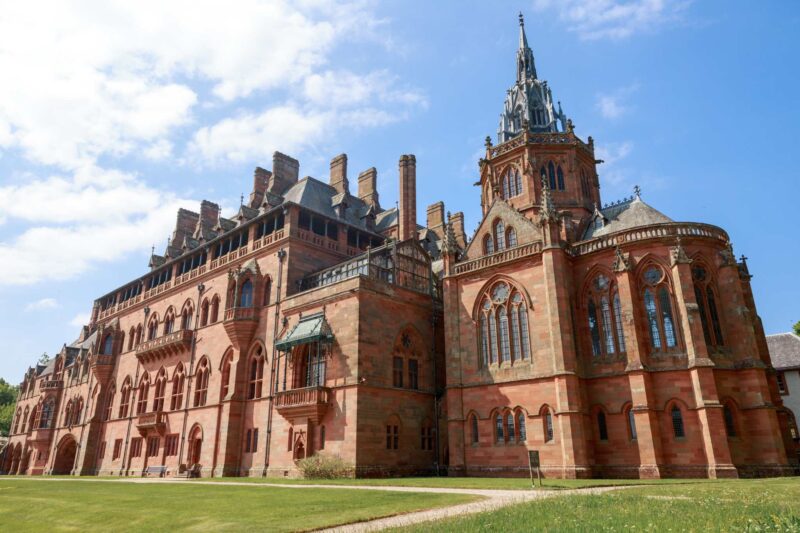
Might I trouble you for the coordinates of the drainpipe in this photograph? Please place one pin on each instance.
(435, 384)
(189, 374)
(273, 379)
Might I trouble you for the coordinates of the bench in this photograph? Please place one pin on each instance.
(159, 471)
(190, 472)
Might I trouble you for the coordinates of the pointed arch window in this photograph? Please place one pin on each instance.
(510, 429)
(488, 245)
(215, 309)
(631, 423)
(602, 427)
(125, 399)
(474, 429)
(503, 326)
(169, 323)
(160, 392)
(522, 432)
(551, 175)
(178, 381)
(204, 309)
(707, 305)
(658, 308)
(131, 339)
(186, 318)
(246, 294)
(498, 428)
(256, 375)
(138, 335)
(142, 393)
(46, 415)
(512, 183)
(604, 317)
(201, 384)
(560, 178)
(152, 329)
(677, 422)
(108, 344)
(226, 375)
(548, 426)
(109, 403)
(511, 237)
(730, 425)
(499, 235)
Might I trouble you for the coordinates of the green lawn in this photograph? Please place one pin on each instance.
(736, 505)
(464, 482)
(83, 505)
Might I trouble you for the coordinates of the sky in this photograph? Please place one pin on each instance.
(115, 114)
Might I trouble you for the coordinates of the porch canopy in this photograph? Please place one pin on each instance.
(311, 328)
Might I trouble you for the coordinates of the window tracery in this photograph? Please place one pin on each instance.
(705, 295)
(658, 309)
(604, 317)
(503, 339)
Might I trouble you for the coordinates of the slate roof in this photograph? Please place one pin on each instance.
(322, 198)
(625, 215)
(784, 349)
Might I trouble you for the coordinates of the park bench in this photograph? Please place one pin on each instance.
(157, 470)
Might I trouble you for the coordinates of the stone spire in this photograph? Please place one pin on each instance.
(526, 68)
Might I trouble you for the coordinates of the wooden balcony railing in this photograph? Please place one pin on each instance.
(165, 346)
(307, 402)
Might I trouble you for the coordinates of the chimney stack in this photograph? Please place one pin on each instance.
(209, 213)
(338, 179)
(457, 221)
(285, 171)
(367, 187)
(184, 226)
(260, 181)
(407, 222)
(436, 218)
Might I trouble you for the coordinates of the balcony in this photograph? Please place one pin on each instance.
(53, 384)
(306, 403)
(41, 435)
(240, 324)
(152, 421)
(165, 346)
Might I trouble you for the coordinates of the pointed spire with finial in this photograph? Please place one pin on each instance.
(526, 69)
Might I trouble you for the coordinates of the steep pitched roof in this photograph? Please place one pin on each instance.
(625, 215)
(526, 230)
(784, 349)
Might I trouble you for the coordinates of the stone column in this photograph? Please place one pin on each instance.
(648, 433)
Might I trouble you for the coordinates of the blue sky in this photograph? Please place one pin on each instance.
(112, 116)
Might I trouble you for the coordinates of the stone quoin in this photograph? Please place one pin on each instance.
(615, 341)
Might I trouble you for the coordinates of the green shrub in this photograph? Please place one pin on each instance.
(321, 466)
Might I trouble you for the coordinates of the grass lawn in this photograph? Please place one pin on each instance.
(81, 505)
(464, 482)
(736, 505)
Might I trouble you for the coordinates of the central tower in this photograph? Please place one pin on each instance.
(537, 148)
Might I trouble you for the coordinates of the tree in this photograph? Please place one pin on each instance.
(796, 328)
(8, 398)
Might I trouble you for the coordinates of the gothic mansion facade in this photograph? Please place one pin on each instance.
(615, 341)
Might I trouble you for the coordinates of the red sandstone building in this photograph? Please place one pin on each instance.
(614, 340)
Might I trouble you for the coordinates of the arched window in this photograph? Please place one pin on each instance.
(152, 328)
(551, 174)
(473, 422)
(521, 431)
(560, 178)
(108, 345)
(256, 375)
(510, 429)
(161, 390)
(503, 338)
(176, 399)
(730, 424)
(46, 417)
(125, 398)
(511, 237)
(707, 305)
(548, 426)
(512, 183)
(204, 313)
(499, 235)
(658, 307)
(604, 317)
(602, 428)
(169, 322)
(677, 422)
(142, 394)
(16, 420)
(246, 298)
(109, 403)
(24, 420)
(506, 186)
(488, 245)
(267, 291)
(585, 185)
(215, 309)
(186, 318)
(201, 384)
(77, 413)
(138, 335)
(226, 375)
(498, 428)
(131, 339)
(631, 424)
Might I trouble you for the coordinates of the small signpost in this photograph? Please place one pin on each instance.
(533, 462)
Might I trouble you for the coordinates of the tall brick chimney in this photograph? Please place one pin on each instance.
(209, 213)
(436, 219)
(338, 179)
(285, 171)
(457, 221)
(407, 221)
(367, 187)
(260, 181)
(184, 226)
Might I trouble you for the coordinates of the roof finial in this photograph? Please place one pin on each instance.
(241, 199)
(521, 19)
(152, 250)
(637, 191)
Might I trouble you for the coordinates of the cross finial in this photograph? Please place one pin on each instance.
(153, 249)
(637, 191)
(241, 199)
(488, 142)
(521, 19)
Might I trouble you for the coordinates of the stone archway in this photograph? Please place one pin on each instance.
(65, 456)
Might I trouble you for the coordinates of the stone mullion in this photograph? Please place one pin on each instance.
(648, 433)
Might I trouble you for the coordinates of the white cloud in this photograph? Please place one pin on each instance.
(614, 19)
(613, 155)
(40, 305)
(80, 320)
(615, 104)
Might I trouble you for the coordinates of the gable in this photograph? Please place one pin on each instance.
(526, 230)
